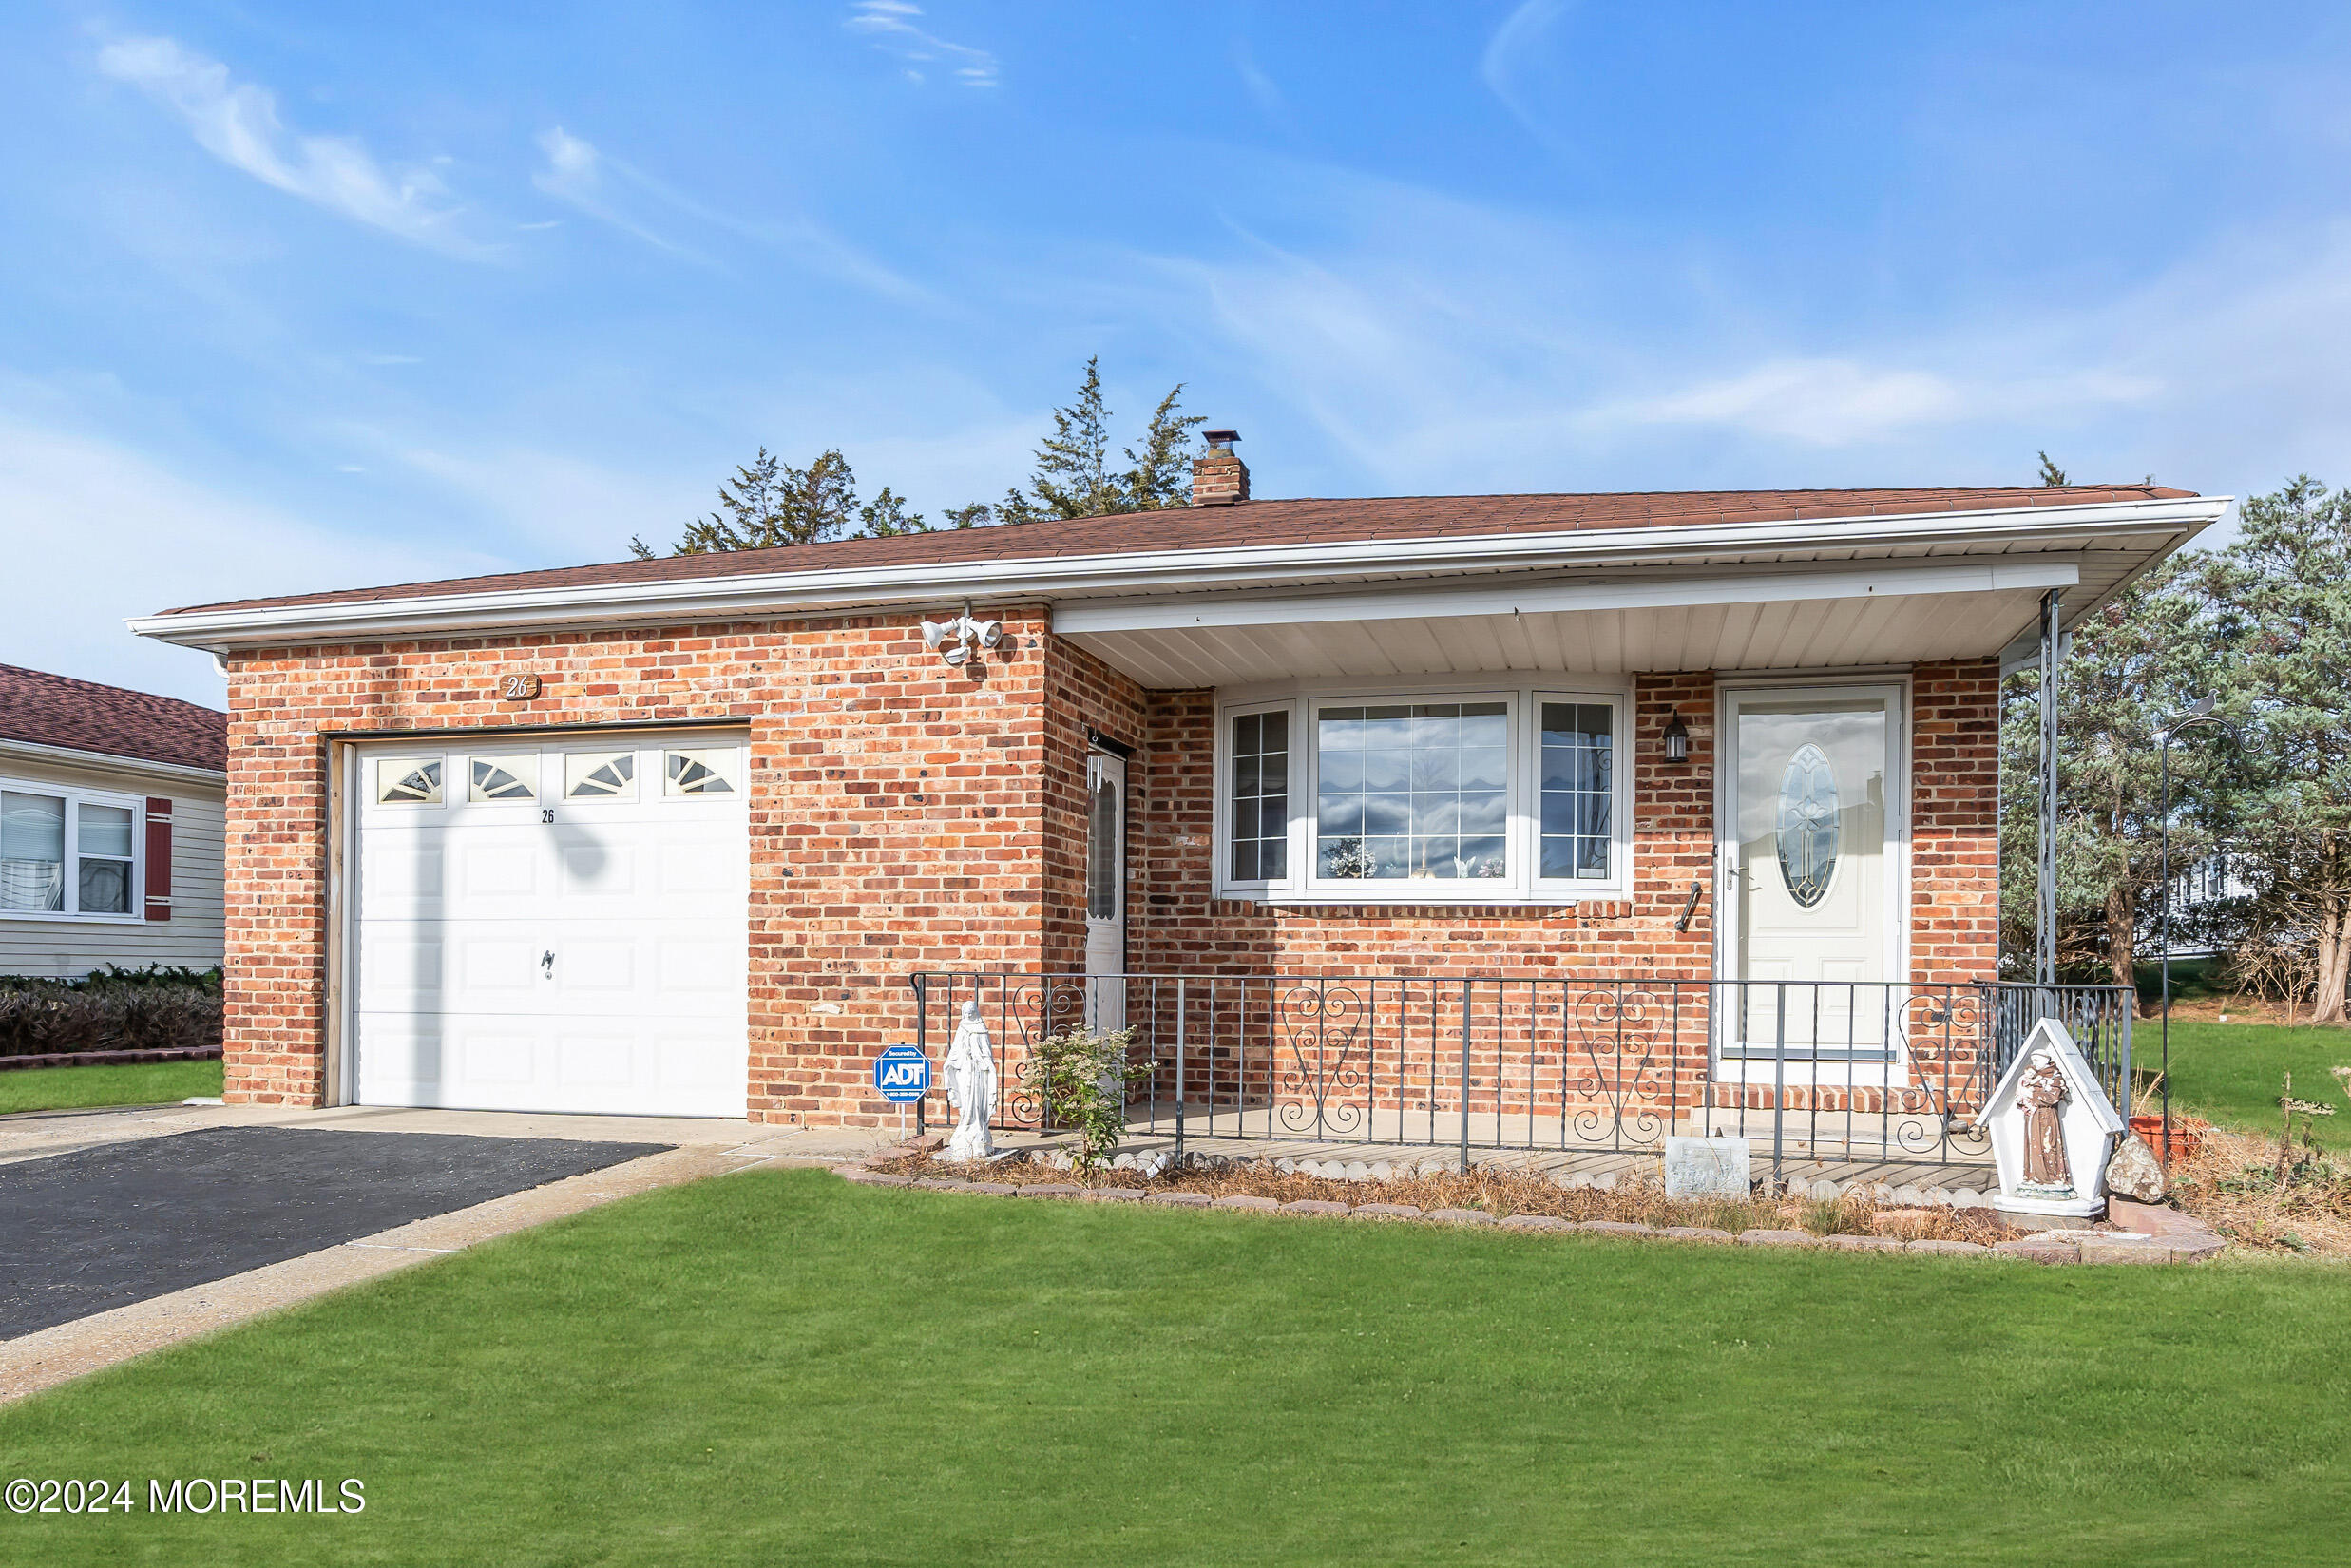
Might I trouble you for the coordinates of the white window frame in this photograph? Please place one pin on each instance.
(75, 797)
(1524, 697)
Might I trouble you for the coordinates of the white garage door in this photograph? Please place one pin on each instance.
(546, 927)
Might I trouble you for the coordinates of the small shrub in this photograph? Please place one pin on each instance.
(1081, 1079)
(38, 1021)
(114, 978)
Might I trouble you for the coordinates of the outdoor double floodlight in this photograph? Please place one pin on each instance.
(952, 639)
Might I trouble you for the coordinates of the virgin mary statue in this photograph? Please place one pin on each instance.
(970, 1087)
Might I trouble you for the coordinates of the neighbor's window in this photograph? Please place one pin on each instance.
(42, 834)
(103, 858)
(33, 851)
(1259, 804)
(1416, 791)
(1578, 791)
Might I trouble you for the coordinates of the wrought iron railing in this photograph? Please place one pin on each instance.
(1820, 1071)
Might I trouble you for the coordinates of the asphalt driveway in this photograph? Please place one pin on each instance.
(104, 1227)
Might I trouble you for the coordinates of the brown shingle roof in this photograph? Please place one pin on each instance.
(55, 710)
(1258, 522)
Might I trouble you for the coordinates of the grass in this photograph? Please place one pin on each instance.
(129, 1083)
(777, 1367)
(2230, 1072)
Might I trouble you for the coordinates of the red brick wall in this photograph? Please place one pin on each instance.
(896, 806)
(908, 816)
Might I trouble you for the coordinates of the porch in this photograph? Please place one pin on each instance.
(1851, 1083)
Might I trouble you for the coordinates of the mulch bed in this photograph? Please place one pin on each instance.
(1501, 1194)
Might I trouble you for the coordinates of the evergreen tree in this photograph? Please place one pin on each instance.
(1074, 476)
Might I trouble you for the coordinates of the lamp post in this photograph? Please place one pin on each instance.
(2199, 713)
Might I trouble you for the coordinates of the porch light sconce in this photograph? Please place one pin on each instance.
(1677, 740)
(952, 639)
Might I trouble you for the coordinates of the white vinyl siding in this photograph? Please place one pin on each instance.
(193, 937)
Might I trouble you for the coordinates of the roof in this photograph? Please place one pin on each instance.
(82, 716)
(1262, 523)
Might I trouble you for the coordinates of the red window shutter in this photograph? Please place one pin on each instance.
(158, 858)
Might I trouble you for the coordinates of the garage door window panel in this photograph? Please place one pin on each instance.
(702, 773)
(506, 779)
(599, 776)
(408, 781)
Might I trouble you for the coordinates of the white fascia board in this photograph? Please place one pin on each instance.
(928, 583)
(73, 756)
(1872, 580)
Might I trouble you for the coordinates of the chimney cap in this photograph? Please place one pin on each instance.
(1220, 438)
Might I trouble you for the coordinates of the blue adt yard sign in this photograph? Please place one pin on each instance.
(902, 1074)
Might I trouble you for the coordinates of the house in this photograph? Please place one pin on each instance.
(111, 805)
(702, 835)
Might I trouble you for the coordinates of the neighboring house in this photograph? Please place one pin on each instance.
(110, 827)
(678, 835)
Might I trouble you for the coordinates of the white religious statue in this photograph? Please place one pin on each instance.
(970, 1087)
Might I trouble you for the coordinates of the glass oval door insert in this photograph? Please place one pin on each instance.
(1809, 827)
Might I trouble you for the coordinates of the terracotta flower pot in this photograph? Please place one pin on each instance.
(2186, 1135)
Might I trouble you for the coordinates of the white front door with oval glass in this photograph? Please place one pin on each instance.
(1813, 800)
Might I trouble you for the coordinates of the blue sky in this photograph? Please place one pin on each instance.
(307, 296)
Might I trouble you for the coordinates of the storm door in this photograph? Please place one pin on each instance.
(1105, 890)
(1813, 800)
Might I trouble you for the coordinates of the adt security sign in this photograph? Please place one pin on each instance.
(902, 1074)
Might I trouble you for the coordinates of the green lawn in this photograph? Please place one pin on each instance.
(132, 1083)
(2230, 1072)
(780, 1368)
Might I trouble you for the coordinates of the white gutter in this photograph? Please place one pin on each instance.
(1873, 578)
(1046, 578)
(73, 756)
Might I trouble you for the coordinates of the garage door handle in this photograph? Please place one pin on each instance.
(546, 961)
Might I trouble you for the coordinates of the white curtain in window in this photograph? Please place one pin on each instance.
(33, 851)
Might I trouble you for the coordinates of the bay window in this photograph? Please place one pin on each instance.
(68, 854)
(1415, 796)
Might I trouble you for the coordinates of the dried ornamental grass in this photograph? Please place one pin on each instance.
(1500, 1193)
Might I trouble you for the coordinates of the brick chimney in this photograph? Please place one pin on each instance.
(1219, 476)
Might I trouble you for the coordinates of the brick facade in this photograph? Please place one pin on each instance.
(908, 816)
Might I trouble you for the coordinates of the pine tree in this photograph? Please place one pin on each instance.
(2052, 475)
(771, 503)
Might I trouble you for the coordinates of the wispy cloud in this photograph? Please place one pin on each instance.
(238, 122)
(170, 539)
(574, 173)
(611, 190)
(895, 26)
(1513, 67)
(1836, 402)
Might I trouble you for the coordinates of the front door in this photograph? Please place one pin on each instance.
(1815, 804)
(1105, 891)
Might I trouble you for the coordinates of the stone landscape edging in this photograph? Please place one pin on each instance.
(2177, 1238)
